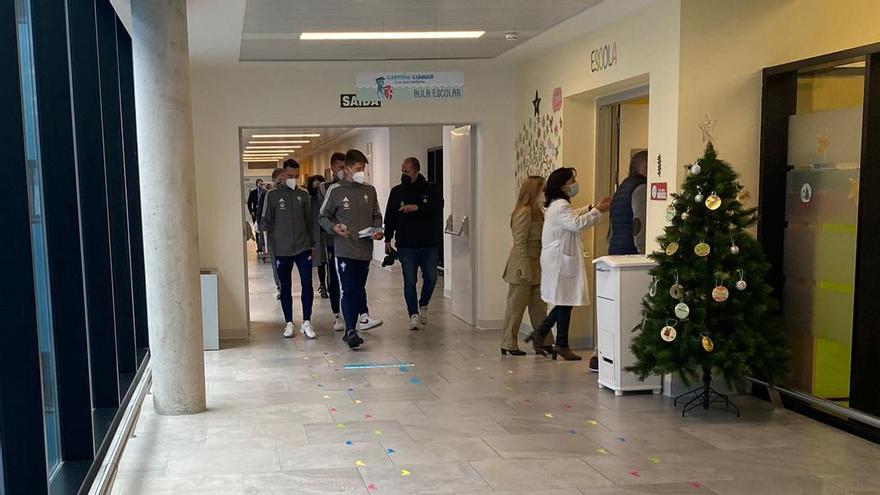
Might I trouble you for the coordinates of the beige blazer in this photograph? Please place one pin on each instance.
(524, 262)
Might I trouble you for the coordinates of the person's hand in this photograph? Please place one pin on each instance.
(340, 229)
(378, 236)
(604, 205)
(387, 247)
(409, 208)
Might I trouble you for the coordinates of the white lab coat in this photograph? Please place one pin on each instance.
(563, 280)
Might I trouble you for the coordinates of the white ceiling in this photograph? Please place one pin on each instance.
(271, 28)
(221, 35)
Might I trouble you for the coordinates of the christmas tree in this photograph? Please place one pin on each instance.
(709, 309)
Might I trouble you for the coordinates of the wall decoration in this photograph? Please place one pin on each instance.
(557, 100)
(538, 144)
(659, 191)
(384, 86)
(659, 166)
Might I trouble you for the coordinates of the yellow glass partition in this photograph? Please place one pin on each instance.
(824, 151)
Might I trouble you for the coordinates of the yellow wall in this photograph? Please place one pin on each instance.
(647, 53)
(726, 44)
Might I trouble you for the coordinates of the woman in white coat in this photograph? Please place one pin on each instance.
(563, 279)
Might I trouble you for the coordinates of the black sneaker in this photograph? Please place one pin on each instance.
(324, 293)
(353, 340)
(594, 364)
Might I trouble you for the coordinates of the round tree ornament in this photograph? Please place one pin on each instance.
(671, 248)
(713, 202)
(668, 332)
(682, 311)
(720, 293)
(702, 249)
(676, 291)
(741, 283)
(708, 345)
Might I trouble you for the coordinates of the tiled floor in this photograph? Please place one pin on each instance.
(285, 417)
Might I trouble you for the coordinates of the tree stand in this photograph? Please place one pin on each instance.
(705, 397)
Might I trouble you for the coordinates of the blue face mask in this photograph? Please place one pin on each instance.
(573, 190)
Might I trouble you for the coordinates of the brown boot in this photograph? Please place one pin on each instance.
(566, 354)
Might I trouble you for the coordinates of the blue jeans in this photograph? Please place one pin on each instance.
(353, 282)
(284, 266)
(412, 259)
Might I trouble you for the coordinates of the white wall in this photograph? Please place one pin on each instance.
(307, 95)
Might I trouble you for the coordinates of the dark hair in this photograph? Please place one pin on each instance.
(414, 162)
(553, 188)
(637, 160)
(258, 181)
(276, 173)
(355, 156)
(290, 163)
(311, 184)
(337, 157)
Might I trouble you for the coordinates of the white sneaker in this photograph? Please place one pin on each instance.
(423, 315)
(338, 323)
(415, 323)
(307, 330)
(366, 323)
(288, 330)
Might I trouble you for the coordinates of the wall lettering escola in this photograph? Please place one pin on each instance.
(603, 58)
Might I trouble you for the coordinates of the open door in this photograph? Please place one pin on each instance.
(460, 224)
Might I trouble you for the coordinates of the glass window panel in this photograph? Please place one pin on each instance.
(824, 153)
(827, 136)
(38, 235)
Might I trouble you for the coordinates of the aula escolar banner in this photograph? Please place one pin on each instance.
(389, 86)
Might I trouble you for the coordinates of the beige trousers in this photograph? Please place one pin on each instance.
(520, 297)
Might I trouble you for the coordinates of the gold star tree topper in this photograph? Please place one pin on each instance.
(707, 126)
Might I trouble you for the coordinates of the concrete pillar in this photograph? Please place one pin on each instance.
(168, 203)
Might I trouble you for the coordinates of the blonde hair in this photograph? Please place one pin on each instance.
(528, 196)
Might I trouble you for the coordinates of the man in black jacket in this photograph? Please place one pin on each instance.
(413, 219)
(255, 207)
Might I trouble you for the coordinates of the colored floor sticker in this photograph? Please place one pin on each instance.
(655, 460)
(415, 380)
(405, 472)
(360, 463)
(390, 451)
(366, 366)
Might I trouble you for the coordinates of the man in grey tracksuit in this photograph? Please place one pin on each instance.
(349, 207)
(287, 219)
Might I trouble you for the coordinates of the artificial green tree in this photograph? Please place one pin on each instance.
(710, 310)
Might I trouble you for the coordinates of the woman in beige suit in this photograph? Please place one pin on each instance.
(523, 270)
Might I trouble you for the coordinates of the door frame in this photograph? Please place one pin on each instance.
(779, 101)
(474, 193)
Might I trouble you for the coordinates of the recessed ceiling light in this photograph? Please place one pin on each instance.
(288, 147)
(285, 135)
(403, 35)
(280, 142)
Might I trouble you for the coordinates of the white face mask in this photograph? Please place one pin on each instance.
(359, 177)
(573, 190)
(340, 175)
(291, 183)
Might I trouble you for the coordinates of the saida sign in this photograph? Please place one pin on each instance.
(387, 86)
(352, 101)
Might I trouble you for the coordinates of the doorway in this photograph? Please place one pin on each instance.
(385, 148)
(621, 133)
(819, 149)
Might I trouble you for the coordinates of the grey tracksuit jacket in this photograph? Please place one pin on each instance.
(287, 218)
(355, 206)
